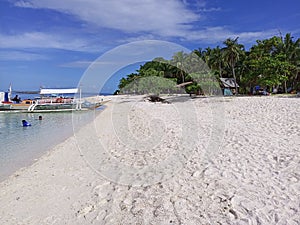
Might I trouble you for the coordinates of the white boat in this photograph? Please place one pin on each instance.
(49, 100)
(55, 100)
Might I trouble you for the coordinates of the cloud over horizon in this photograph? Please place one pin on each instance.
(148, 17)
(136, 20)
(127, 16)
(95, 25)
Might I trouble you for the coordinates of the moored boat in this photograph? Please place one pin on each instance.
(49, 100)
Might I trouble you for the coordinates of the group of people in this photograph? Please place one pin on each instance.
(27, 124)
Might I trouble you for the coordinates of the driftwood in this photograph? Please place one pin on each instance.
(156, 98)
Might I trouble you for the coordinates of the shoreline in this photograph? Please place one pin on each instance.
(28, 153)
(254, 175)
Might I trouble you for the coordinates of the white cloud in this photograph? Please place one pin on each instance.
(144, 19)
(41, 40)
(201, 6)
(13, 55)
(77, 64)
(219, 34)
(86, 64)
(137, 20)
(213, 9)
(45, 40)
(251, 36)
(167, 18)
(24, 4)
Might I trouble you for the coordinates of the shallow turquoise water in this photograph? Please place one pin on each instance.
(21, 145)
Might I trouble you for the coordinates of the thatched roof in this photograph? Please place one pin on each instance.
(228, 82)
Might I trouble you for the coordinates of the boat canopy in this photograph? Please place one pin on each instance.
(45, 91)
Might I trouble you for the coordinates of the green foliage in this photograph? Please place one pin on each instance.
(150, 85)
(273, 62)
(207, 82)
(270, 62)
(193, 88)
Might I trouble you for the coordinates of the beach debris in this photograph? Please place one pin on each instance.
(156, 98)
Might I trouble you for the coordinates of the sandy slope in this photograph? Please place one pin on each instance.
(200, 161)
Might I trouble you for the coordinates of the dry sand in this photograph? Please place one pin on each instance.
(194, 161)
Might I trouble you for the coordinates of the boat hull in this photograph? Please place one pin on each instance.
(14, 107)
(54, 107)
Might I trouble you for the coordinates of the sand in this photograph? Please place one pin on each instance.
(216, 160)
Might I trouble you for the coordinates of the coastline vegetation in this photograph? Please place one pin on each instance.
(272, 63)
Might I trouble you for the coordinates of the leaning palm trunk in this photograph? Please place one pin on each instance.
(234, 77)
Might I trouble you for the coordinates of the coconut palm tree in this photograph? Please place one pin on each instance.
(178, 60)
(232, 52)
(217, 60)
(291, 52)
(200, 52)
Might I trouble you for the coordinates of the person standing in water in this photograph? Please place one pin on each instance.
(25, 123)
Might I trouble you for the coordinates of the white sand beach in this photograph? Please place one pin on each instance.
(232, 160)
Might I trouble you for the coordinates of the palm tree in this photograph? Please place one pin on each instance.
(291, 52)
(232, 52)
(178, 60)
(201, 53)
(217, 60)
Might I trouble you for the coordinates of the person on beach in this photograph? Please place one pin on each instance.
(40, 117)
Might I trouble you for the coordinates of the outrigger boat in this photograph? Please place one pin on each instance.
(49, 100)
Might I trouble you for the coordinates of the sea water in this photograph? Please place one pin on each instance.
(20, 146)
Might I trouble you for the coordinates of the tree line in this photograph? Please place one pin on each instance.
(270, 63)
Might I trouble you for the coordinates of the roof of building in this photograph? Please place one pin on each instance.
(59, 91)
(229, 82)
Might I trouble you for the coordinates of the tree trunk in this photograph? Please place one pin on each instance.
(235, 85)
(295, 80)
(285, 87)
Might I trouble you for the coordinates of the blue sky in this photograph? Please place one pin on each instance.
(51, 43)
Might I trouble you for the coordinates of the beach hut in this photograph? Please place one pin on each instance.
(228, 85)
